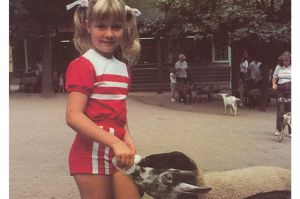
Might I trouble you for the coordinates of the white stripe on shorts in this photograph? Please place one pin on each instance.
(106, 152)
(95, 166)
(95, 158)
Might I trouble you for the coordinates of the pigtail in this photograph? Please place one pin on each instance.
(130, 46)
(81, 36)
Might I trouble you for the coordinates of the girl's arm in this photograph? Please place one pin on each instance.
(128, 139)
(78, 121)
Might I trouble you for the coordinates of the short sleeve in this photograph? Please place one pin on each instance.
(275, 74)
(80, 76)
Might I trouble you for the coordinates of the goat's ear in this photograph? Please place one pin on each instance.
(191, 189)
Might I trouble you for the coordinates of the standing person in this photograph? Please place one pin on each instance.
(181, 67)
(244, 67)
(38, 74)
(97, 85)
(282, 82)
(243, 87)
(173, 84)
(61, 83)
(254, 73)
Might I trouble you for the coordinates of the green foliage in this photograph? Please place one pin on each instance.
(263, 21)
(30, 18)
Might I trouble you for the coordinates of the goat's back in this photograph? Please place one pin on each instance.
(247, 182)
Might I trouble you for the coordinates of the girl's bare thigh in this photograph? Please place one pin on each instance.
(94, 186)
(124, 187)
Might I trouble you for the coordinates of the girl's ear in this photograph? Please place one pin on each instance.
(88, 26)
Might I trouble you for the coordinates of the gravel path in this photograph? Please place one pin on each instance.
(40, 139)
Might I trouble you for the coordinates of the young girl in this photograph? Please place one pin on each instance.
(97, 85)
(173, 83)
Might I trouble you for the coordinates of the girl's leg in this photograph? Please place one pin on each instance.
(124, 187)
(94, 186)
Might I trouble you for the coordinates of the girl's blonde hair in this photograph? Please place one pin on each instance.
(104, 10)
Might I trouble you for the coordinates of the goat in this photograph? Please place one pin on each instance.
(287, 121)
(254, 96)
(204, 90)
(166, 176)
(231, 101)
(165, 182)
(185, 91)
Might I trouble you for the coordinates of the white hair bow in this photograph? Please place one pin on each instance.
(134, 11)
(82, 3)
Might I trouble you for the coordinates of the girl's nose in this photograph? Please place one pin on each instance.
(109, 33)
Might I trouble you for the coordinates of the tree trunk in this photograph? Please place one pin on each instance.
(47, 88)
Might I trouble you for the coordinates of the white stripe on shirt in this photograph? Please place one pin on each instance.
(111, 84)
(107, 96)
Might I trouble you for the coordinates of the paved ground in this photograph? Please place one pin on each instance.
(40, 139)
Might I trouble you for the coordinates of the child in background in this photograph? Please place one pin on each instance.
(97, 85)
(61, 83)
(173, 83)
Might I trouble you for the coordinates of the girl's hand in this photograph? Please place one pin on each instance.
(123, 154)
(274, 86)
(129, 142)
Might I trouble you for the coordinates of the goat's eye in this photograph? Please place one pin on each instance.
(168, 178)
(142, 169)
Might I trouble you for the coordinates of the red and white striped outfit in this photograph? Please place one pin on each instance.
(105, 82)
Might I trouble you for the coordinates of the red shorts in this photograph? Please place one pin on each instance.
(89, 157)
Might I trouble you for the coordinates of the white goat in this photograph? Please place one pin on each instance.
(287, 121)
(167, 182)
(231, 101)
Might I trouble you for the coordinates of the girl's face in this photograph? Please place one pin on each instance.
(286, 62)
(106, 36)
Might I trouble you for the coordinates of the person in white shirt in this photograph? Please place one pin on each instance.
(181, 67)
(255, 74)
(173, 83)
(244, 67)
(282, 82)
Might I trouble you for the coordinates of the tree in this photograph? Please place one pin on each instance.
(37, 20)
(263, 24)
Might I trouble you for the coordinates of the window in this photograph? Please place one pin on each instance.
(221, 52)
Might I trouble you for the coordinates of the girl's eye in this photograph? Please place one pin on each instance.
(101, 26)
(117, 27)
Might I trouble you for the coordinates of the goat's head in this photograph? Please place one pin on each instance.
(166, 175)
(223, 94)
(166, 183)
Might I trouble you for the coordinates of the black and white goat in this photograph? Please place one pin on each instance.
(167, 176)
(162, 177)
(230, 101)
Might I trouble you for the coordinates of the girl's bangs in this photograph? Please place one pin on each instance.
(105, 10)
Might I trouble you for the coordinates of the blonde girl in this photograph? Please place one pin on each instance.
(97, 85)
